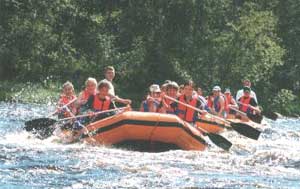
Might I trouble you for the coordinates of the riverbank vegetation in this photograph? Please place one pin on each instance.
(212, 42)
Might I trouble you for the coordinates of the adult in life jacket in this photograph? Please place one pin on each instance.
(152, 103)
(99, 102)
(172, 91)
(248, 104)
(185, 113)
(240, 93)
(67, 96)
(219, 102)
(90, 89)
(231, 104)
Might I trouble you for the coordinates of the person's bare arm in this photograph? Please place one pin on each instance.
(222, 107)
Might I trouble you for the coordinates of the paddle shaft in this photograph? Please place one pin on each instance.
(93, 114)
(64, 106)
(248, 105)
(241, 128)
(196, 109)
(240, 112)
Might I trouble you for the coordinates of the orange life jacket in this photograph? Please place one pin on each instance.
(101, 105)
(86, 95)
(185, 113)
(245, 101)
(65, 100)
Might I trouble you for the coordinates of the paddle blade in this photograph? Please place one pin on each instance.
(246, 130)
(270, 115)
(220, 141)
(257, 118)
(38, 124)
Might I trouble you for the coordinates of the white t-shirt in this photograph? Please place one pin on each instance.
(111, 87)
(240, 93)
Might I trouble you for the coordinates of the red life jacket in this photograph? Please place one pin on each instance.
(65, 100)
(209, 102)
(185, 113)
(101, 105)
(245, 101)
(86, 95)
(228, 99)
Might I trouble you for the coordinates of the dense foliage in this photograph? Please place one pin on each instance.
(212, 42)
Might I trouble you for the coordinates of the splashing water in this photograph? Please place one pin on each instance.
(27, 162)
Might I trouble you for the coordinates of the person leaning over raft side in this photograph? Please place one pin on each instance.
(100, 102)
(109, 73)
(67, 95)
(90, 89)
(153, 100)
(185, 113)
(172, 91)
(219, 102)
(240, 93)
(248, 104)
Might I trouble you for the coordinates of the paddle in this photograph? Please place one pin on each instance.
(47, 123)
(242, 128)
(217, 139)
(257, 118)
(40, 123)
(270, 115)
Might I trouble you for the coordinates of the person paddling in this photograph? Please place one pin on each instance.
(100, 102)
(90, 89)
(172, 91)
(153, 100)
(187, 114)
(67, 96)
(231, 103)
(248, 105)
(109, 73)
(240, 93)
(219, 102)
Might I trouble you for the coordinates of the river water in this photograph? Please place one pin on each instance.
(27, 162)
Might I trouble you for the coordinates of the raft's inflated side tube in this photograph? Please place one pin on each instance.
(248, 122)
(210, 125)
(145, 126)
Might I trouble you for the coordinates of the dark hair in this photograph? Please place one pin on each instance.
(189, 83)
(103, 84)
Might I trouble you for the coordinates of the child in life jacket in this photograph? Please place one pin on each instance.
(66, 103)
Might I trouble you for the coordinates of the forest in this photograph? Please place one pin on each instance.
(213, 42)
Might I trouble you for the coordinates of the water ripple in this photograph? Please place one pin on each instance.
(27, 162)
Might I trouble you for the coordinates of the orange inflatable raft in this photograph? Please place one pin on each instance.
(211, 125)
(152, 128)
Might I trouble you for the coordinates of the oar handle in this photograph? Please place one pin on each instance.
(96, 113)
(196, 109)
